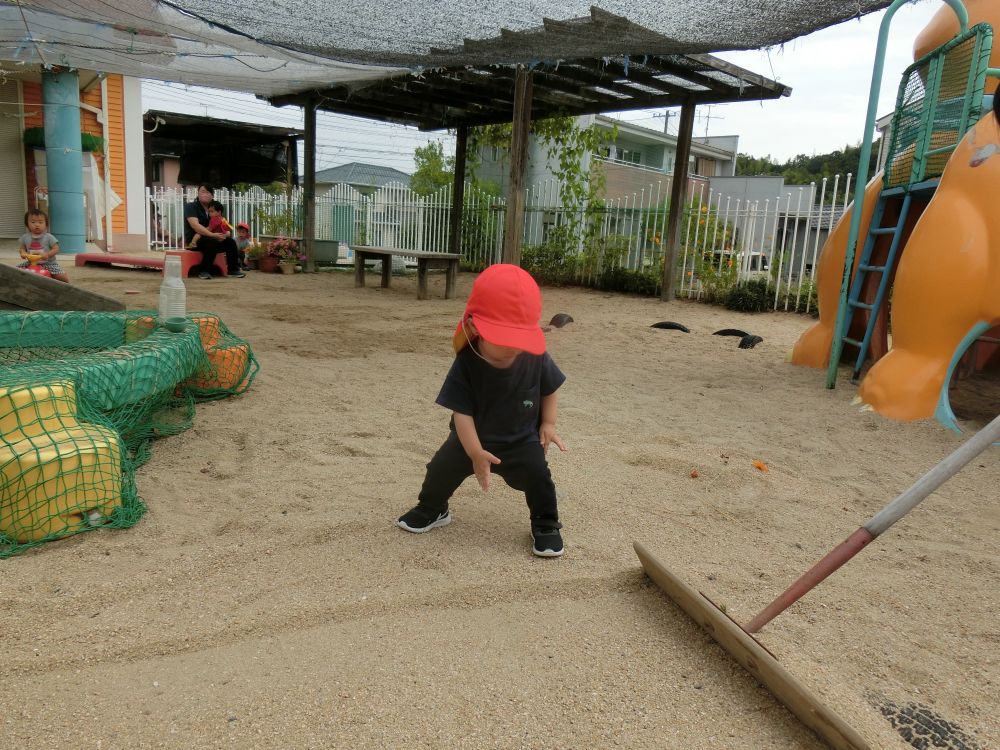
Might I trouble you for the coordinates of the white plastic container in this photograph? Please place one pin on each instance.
(173, 295)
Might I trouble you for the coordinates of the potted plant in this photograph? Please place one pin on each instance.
(281, 251)
(255, 251)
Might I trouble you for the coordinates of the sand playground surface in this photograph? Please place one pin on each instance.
(267, 599)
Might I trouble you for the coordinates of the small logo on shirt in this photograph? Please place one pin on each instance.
(527, 403)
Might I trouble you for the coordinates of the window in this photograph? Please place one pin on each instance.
(630, 156)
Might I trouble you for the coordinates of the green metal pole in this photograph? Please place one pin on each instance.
(862, 178)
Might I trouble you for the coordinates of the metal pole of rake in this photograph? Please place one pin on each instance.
(878, 523)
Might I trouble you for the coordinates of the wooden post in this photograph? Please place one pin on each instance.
(309, 186)
(514, 229)
(678, 195)
(458, 190)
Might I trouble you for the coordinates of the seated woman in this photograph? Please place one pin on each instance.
(210, 244)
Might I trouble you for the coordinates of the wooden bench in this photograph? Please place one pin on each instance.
(425, 260)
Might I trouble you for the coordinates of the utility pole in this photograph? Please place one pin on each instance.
(708, 116)
(666, 115)
(666, 121)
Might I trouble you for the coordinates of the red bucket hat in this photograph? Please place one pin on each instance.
(243, 225)
(506, 306)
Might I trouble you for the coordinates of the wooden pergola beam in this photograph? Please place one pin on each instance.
(514, 225)
(678, 191)
(547, 82)
(458, 190)
(309, 185)
(635, 74)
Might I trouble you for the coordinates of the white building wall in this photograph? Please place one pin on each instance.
(135, 160)
(12, 186)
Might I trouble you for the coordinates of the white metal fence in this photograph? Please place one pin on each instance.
(778, 239)
(723, 238)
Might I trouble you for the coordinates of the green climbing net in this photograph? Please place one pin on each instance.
(82, 397)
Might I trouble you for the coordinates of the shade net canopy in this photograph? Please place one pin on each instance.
(275, 47)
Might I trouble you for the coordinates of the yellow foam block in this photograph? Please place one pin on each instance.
(55, 472)
(26, 411)
(139, 328)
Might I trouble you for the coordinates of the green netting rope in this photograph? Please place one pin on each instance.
(939, 99)
(82, 397)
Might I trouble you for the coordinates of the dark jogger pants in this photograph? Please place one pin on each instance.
(522, 466)
(210, 247)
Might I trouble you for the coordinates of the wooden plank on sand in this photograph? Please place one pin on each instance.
(753, 657)
(23, 290)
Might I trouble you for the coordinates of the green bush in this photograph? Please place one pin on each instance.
(716, 283)
(808, 297)
(554, 262)
(601, 254)
(751, 296)
(631, 282)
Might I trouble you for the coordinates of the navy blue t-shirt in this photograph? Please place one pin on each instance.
(506, 403)
(195, 210)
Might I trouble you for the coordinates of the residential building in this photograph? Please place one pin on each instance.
(186, 149)
(111, 158)
(773, 218)
(636, 160)
(365, 178)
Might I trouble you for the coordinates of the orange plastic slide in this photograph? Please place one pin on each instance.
(946, 283)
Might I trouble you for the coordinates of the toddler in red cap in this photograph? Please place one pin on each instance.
(501, 389)
(243, 243)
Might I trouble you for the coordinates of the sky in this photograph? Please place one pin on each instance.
(829, 72)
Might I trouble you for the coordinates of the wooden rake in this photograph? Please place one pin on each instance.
(751, 655)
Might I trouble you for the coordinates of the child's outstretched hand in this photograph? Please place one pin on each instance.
(547, 433)
(481, 464)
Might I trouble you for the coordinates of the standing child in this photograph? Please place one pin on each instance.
(501, 389)
(242, 243)
(38, 247)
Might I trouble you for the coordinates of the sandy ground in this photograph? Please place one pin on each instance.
(268, 600)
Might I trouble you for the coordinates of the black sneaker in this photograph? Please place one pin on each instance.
(238, 275)
(204, 275)
(420, 520)
(547, 542)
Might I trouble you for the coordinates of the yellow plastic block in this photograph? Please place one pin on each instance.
(56, 474)
(27, 411)
(139, 328)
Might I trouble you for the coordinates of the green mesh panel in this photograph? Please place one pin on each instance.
(939, 100)
(82, 397)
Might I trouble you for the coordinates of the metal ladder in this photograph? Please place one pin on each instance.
(865, 268)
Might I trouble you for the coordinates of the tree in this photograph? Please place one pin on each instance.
(803, 169)
(434, 169)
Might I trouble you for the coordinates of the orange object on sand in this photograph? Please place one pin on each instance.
(228, 368)
(760, 466)
(229, 364)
